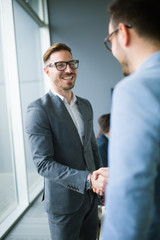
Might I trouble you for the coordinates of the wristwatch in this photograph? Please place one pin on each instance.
(88, 182)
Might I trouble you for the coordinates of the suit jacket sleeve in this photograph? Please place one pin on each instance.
(40, 140)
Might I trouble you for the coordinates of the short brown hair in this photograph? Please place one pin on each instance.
(104, 122)
(136, 13)
(55, 48)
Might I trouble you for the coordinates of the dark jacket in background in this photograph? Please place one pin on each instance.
(102, 142)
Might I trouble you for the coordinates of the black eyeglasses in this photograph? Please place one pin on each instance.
(107, 41)
(63, 65)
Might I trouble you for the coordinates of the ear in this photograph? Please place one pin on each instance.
(124, 34)
(46, 70)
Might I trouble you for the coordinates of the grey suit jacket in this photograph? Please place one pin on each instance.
(58, 153)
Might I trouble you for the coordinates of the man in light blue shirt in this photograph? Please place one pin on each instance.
(133, 191)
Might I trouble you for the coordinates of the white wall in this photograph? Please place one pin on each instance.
(83, 25)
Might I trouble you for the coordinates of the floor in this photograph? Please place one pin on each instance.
(33, 225)
(8, 198)
(8, 201)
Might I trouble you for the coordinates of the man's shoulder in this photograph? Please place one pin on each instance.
(139, 85)
(83, 101)
(42, 101)
(102, 140)
(141, 78)
(128, 81)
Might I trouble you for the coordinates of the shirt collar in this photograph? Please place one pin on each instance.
(150, 61)
(73, 100)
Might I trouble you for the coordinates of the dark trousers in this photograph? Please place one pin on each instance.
(81, 225)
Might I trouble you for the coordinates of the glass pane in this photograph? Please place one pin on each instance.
(36, 5)
(8, 196)
(30, 75)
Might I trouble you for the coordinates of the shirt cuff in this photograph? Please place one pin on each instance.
(88, 182)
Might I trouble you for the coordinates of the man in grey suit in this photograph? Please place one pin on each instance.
(133, 191)
(60, 132)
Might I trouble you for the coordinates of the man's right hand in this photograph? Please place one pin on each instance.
(99, 179)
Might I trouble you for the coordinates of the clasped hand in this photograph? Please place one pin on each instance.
(99, 179)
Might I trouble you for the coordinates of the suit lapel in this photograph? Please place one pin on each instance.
(85, 119)
(64, 112)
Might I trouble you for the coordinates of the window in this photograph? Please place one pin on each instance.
(8, 196)
(23, 39)
(30, 75)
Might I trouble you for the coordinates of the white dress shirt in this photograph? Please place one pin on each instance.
(74, 113)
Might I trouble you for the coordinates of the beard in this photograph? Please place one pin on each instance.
(125, 73)
(125, 67)
(122, 58)
(64, 85)
(69, 87)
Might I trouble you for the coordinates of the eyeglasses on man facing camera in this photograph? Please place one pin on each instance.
(62, 65)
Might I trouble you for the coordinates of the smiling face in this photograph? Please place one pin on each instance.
(61, 81)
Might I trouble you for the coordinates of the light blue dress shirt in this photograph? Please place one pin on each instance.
(133, 192)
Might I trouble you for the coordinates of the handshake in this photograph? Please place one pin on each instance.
(98, 180)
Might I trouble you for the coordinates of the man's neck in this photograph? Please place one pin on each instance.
(140, 52)
(67, 94)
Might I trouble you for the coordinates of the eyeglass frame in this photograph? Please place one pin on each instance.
(107, 39)
(66, 62)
